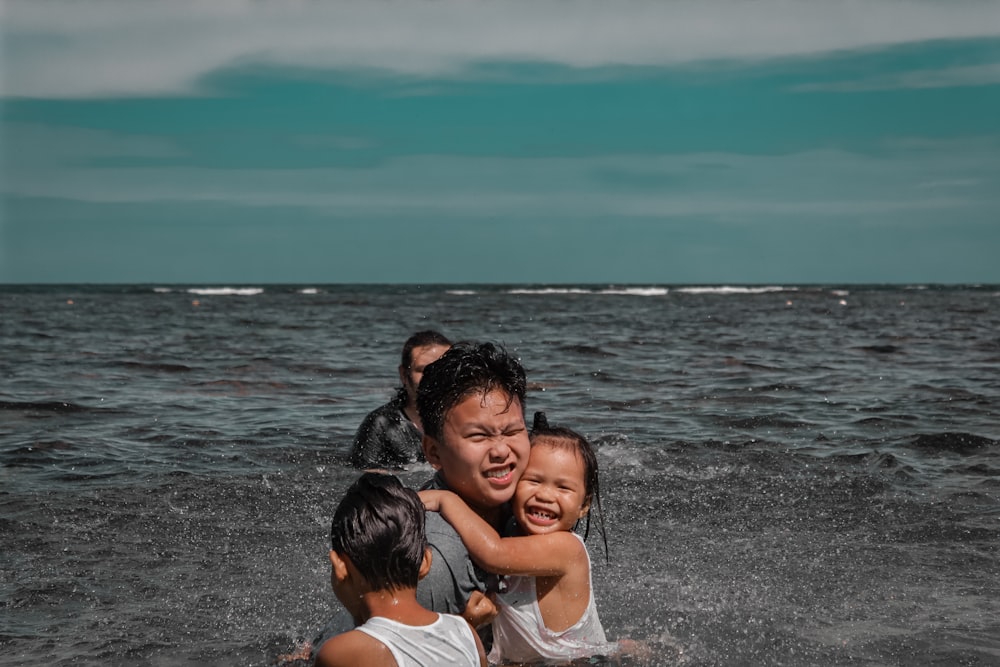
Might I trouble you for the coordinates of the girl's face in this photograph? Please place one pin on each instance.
(550, 496)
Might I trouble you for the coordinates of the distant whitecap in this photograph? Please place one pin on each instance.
(226, 291)
(550, 290)
(728, 289)
(637, 291)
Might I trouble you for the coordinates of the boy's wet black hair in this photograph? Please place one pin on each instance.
(562, 437)
(464, 370)
(379, 525)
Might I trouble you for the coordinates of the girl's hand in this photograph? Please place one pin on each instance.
(433, 499)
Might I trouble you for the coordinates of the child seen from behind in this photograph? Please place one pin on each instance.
(379, 552)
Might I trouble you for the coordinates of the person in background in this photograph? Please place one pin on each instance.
(390, 436)
(378, 553)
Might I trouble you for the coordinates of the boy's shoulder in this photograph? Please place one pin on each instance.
(354, 648)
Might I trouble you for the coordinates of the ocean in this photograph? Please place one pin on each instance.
(791, 475)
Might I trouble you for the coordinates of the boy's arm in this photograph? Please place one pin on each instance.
(551, 554)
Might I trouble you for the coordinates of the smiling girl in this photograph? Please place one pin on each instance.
(547, 611)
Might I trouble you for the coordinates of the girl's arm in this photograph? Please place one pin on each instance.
(552, 554)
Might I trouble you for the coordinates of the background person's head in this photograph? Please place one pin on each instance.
(419, 350)
(471, 403)
(377, 539)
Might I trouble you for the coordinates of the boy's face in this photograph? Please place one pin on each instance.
(483, 449)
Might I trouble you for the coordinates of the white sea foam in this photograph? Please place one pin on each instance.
(461, 292)
(162, 290)
(840, 292)
(626, 291)
(308, 290)
(637, 291)
(550, 290)
(729, 289)
(226, 291)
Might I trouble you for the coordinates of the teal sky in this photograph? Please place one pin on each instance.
(720, 141)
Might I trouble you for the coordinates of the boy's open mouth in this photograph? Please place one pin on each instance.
(500, 475)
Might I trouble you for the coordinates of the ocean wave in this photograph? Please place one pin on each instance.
(620, 291)
(732, 289)
(308, 290)
(550, 290)
(957, 442)
(637, 291)
(43, 406)
(226, 291)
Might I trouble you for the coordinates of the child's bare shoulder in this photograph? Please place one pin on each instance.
(354, 648)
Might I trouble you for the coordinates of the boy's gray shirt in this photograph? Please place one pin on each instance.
(453, 577)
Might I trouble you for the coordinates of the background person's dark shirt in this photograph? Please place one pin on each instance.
(387, 438)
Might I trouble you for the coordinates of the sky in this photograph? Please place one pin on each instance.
(635, 142)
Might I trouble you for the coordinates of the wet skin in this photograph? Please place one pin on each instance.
(550, 496)
(483, 450)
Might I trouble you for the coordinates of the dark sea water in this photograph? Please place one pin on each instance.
(791, 476)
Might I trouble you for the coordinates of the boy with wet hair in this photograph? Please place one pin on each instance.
(378, 553)
(471, 403)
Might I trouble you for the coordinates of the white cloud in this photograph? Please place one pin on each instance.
(72, 48)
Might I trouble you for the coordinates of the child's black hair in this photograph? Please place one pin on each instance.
(560, 436)
(379, 525)
(464, 370)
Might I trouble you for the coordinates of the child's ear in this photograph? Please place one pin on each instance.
(425, 564)
(430, 446)
(585, 509)
(339, 565)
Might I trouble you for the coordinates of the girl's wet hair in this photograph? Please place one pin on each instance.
(379, 525)
(567, 438)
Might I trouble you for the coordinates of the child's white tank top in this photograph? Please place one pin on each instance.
(520, 635)
(447, 642)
